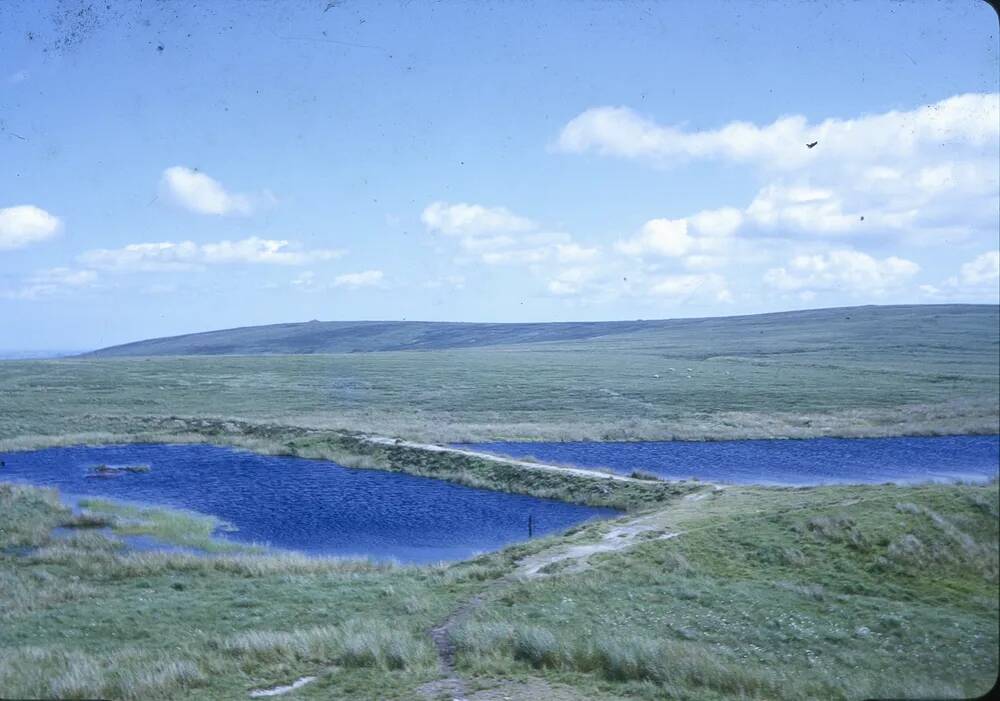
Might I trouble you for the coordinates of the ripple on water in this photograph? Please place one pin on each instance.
(799, 462)
(313, 506)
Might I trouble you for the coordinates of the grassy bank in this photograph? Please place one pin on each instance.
(834, 592)
(847, 592)
(186, 529)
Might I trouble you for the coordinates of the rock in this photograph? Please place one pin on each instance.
(863, 632)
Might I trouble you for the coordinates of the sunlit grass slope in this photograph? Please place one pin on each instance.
(847, 592)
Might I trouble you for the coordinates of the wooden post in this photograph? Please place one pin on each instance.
(530, 526)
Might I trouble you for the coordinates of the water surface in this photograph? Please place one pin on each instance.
(803, 462)
(314, 506)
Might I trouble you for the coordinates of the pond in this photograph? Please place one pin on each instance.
(797, 462)
(313, 506)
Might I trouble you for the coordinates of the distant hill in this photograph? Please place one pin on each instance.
(860, 323)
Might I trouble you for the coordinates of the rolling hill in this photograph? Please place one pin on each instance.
(861, 327)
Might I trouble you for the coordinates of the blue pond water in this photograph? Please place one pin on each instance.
(313, 506)
(781, 462)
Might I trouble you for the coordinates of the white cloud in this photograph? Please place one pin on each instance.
(703, 240)
(688, 286)
(188, 255)
(305, 280)
(53, 282)
(472, 219)
(200, 193)
(969, 119)
(24, 225)
(368, 278)
(665, 237)
(816, 210)
(497, 236)
(522, 256)
(982, 270)
(703, 262)
(717, 222)
(978, 279)
(845, 270)
(923, 175)
(575, 253)
(571, 281)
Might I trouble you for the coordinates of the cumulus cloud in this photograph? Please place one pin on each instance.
(26, 224)
(188, 255)
(575, 253)
(53, 282)
(920, 176)
(701, 241)
(200, 193)
(845, 269)
(466, 220)
(368, 278)
(497, 236)
(978, 279)
(969, 119)
(572, 281)
(924, 175)
(665, 237)
(982, 270)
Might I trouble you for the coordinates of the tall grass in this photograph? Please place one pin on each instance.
(355, 643)
(56, 672)
(671, 665)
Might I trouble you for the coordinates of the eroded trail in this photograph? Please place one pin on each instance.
(574, 557)
(567, 557)
(451, 683)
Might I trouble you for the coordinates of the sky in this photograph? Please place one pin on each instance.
(169, 168)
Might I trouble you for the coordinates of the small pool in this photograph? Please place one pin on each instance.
(313, 506)
(781, 462)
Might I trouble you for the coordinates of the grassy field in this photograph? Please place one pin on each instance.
(815, 593)
(834, 592)
(858, 372)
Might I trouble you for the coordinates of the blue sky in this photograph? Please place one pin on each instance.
(487, 162)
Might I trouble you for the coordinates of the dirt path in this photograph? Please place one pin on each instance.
(573, 557)
(570, 557)
(450, 684)
(575, 471)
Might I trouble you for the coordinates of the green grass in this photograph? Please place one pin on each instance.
(833, 592)
(883, 371)
(83, 618)
(174, 526)
(790, 594)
